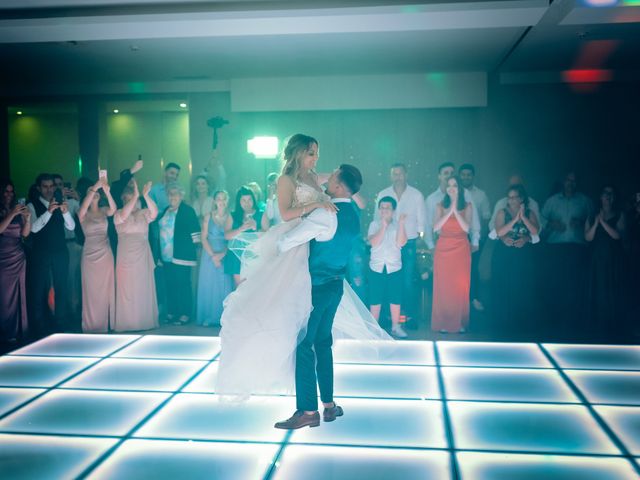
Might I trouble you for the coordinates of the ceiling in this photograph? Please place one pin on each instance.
(92, 46)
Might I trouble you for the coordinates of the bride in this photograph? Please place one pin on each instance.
(265, 318)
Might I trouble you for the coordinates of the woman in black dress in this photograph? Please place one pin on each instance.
(513, 264)
(633, 267)
(603, 302)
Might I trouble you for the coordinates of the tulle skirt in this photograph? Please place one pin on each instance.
(265, 318)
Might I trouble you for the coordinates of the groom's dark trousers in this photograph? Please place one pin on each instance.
(325, 299)
(327, 266)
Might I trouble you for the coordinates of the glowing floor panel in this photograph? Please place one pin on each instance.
(171, 347)
(69, 345)
(492, 466)
(208, 417)
(608, 387)
(506, 384)
(13, 397)
(126, 374)
(48, 457)
(625, 421)
(153, 460)
(135, 406)
(39, 371)
(320, 463)
(528, 427)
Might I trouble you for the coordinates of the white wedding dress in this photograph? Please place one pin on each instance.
(265, 318)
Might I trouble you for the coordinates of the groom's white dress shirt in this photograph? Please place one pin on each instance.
(320, 224)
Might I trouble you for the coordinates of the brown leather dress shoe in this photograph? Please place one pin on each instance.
(299, 420)
(330, 414)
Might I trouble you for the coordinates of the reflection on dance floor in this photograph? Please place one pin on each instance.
(132, 406)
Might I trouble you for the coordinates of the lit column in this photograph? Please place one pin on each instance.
(4, 141)
(89, 136)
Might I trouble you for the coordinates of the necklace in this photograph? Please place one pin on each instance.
(220, 220)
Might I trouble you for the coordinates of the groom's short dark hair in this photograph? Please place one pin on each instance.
(350, 177)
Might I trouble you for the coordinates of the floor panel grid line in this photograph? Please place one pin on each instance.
(455, 471)
(109, 356)
(381, 397)
(64, 380)
(123, 390)
(276, 458)
(432, 409)
(139, 425)
(447, 450)
(599, 420)
(340, 445)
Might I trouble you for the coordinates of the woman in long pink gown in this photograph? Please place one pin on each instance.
(136, 304)
(98, 280)
(452, 262)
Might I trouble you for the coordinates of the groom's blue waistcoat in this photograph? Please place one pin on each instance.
(328, 260)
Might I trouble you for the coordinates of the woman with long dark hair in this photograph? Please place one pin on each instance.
(513, 263)
(246, 217)
(15, 224)
(452, 261)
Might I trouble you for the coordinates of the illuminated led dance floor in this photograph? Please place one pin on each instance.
(131, 406)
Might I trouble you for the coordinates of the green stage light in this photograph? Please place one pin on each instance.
(263, 147)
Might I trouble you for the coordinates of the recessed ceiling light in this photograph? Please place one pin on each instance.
(19, 112)
(115, 110)
(183, 105)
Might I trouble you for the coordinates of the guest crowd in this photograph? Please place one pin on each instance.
(125, 257)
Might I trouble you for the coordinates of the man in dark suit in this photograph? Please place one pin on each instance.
(332, 237)
(49, 257)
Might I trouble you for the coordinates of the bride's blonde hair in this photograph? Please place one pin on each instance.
(296, 146)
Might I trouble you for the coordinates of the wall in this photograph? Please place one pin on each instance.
(537, 130)
(42, 142)
(48, 142)
(160, 137)
(543, 130)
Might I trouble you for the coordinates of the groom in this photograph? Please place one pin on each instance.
(332, 236)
